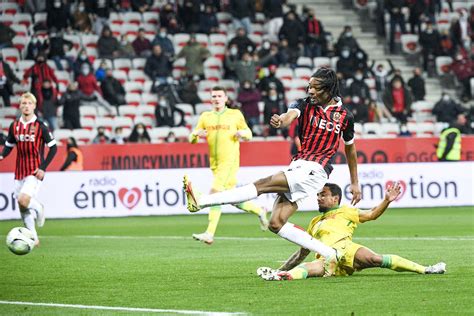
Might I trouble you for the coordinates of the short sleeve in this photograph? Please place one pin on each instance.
(48, 137)
(348, 133)
(297, 106)
(11, 141)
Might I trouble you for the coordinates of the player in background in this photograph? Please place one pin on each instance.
(224, 128)
(30, 135)
(335, 228)
(322, 121)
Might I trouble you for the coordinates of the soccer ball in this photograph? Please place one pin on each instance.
(20, 241)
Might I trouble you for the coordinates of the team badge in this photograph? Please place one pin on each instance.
(336, 116)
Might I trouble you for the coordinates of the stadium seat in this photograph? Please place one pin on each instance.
(22, 18)
(19, 29)
(293, 95)
(443, 65)
(106, 122)
(134, 18)
(122, 64)
(180, 39)
(88, 111)
(89, 40)
(150, 99)
(421, 128)
(186, 108)
(133, 87)
(303, 73)
(229, 85)
(19, 89)
(123, 121)
(202, 107)
(62, 135)
(439, 127)
(212, 74)
(410, 44)
(217, 51)
(97, 62)
(148, 121)
(6, 19)
(299, 84)
(158, 134)
(204, 96)
(304, 62)
(146, 111)
(202, 39)
(75, 39)
(130, 29)
(116, 30)
(147, 86)
(422, 106)
(372, 129)
(181, 132)
(284, 73)
(224, 17)
(115, 18)
(9, 113)
(321, 62)
(9, 8)
(121, 76)
(286, 83)
(206, 85)
(213, 63)
(92, 53)
(390, 129)
(40, 17)
(138, 63)
(137, 75)
(133, 99)
(84, 135)
(358, 129)
(128, 111)
(218, 40)
(63, 76)
(87, 123)
(151, 18)
(11, 54)
(257, 39)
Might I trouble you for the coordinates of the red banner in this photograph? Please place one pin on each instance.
(184, 155)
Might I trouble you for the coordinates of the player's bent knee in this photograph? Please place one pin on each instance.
(275, 225)
(24, 200)
(375, 260)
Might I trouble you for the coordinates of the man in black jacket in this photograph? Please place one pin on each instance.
(71, 100)
(7, 77)
(417, 85)
(446, 109)
(112, 90)
(429, 41)
(158, 66)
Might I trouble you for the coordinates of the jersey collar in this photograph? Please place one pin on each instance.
(28, 122)
(339, 103)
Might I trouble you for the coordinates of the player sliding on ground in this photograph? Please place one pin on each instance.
(335, 228)
(30, 135)
(224, 128)
(323, 120)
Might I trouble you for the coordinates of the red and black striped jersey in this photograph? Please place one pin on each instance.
(320, 129)
(30, 138)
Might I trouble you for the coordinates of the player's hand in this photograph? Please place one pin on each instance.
(356, 194)
(39, 174)
(238, 135)
(276, 121)
(392, 192)
(201, 133)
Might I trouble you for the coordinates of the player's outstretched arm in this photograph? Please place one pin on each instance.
(295, 259)
(351, 154)
(283, 120)
(391, 195)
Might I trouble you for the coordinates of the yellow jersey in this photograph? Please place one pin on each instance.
(335, 225)
(221, 127)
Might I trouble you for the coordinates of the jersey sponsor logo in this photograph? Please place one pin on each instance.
(329, 126)
(218, 127)
(25, 138)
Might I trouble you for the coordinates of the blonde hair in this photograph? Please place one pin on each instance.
(28, 95)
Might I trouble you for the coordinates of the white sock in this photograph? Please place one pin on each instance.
(29, 221)
(300, 237)
(233, 196)
(34, 204)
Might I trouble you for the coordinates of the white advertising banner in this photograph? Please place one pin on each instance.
(159, 192)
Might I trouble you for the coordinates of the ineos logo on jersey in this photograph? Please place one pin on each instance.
(329, 126)
(26, 138)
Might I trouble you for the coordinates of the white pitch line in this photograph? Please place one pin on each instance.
(126, 309)
(441, 238)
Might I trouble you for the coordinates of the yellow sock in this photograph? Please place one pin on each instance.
(400, 264)
(298, 273)
(249, 207)
(214, 216)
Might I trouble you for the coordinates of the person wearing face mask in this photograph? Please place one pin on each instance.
(164, 42)
(381, 75)
(81, 20)
(34, 48)
(271, 80)
(165, 114)
(429, 41)
(71, 101)
(266, 50)
(417, 85)
(242, 41)
(447, 109)
(249, 97)
(345, 63)
(359, 88)
(315, 36)
(7, 78)
(74, 157)
(404, 132)
(139, 134)
(50, 104)
(80, 61)
(118, 137)
(101, 137)
(38, 73)
(57, 14)
(273, 105)
(346, 41)
(88, 85)
(359, 109)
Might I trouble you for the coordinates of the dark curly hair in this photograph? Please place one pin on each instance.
(328, 81)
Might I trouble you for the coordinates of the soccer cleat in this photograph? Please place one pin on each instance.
(204, 237)
(40, 216)
(330, 265)
(263, 219)
(192, 204)
(439, 268)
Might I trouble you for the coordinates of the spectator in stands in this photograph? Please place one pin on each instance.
(71, 100)
(315, 36)
(50, 104)
(447, 109)
(118, 137)
(243, 42)
(141, 45)
(208, 22)
(359, 88)
(126, 49)
(417, 8)
(74, 159)
(165, 43)
(246, 69)
(345, 63)
(167, 16)
(7, 78)
(374, 114)
(141, 5)
(346, 41)
(100, 72)
(6, 36)
(108, 46)
(195, 54)
(189, 12)
(343, 86)
(188, 89)
(470, 20)
(417, 85)
(272, 81)
(243, 12)
(112, 89)
(394, 8)
(101, 137)
(32, 7)
(171, 138)
(231, 58)
(165, 114)
(404, 132)
(266, 49)
(81, 59)
(58, 15)
(273, 10)
(88, 85)
(249, 97)
(80, 19)
(360, 61)
(293, 31)
(34, 48)
(450, 141)
(139, 134)
(398, 100)
(429, 41)
(463, 69)
(359, 109)
(460, 31)
(100, 11)
(446, 45)
(273, 105)
(38, 73)
(57, 47)
(158, 66)
(397, 74)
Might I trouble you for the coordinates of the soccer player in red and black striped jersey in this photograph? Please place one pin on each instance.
(323, 120)
(29, 134)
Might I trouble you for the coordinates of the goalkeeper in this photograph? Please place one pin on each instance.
(335, 228)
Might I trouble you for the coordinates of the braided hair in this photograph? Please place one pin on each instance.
(328, 81)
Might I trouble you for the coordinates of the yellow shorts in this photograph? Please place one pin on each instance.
(225, 178)
(347, 249)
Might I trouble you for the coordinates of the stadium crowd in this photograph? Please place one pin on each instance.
(141, 70)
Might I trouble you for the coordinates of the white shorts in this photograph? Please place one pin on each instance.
(305, 178)
(29, 185)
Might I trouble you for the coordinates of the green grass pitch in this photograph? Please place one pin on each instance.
(153, 263)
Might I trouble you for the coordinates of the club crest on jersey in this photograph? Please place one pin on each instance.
(336, 116)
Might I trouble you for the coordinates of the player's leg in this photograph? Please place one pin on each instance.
(27, 215)
(300, 272)
(253, 208)
(28, 194)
